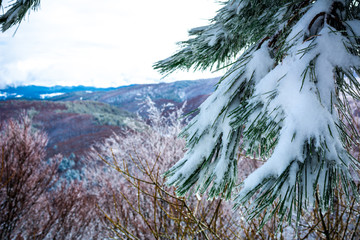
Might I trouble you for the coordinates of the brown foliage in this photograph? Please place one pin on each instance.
(25, 175)
(34, 203)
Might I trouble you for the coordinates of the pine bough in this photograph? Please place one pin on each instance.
(16, 11)
(284, 95)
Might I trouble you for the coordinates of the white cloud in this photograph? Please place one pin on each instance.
(102, 43)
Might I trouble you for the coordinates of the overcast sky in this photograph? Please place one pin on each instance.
(99, 43)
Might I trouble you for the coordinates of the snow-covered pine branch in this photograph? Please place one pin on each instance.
(237, 25)
(16, 11)
(283, 96)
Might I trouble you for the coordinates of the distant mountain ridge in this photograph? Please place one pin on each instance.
(178, 91)
(33, 92)
(74, 118)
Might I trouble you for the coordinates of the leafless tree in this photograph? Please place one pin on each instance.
(26, 175)
(35, 203)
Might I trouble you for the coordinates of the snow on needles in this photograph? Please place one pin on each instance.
(212, 127)
(305, 101)
(283, 104)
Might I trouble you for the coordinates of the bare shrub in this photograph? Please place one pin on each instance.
(149, 209)
(26, 176)
(136, 202)
(34, 203)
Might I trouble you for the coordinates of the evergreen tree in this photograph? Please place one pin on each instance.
(286, 94)
(16, 11)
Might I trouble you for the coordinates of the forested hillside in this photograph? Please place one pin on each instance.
(76, 117)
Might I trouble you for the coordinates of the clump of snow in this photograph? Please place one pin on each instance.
(354, 29)
(305, 98)
(50, 95)
(212, 126)
(214, 34)
(6, 95)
